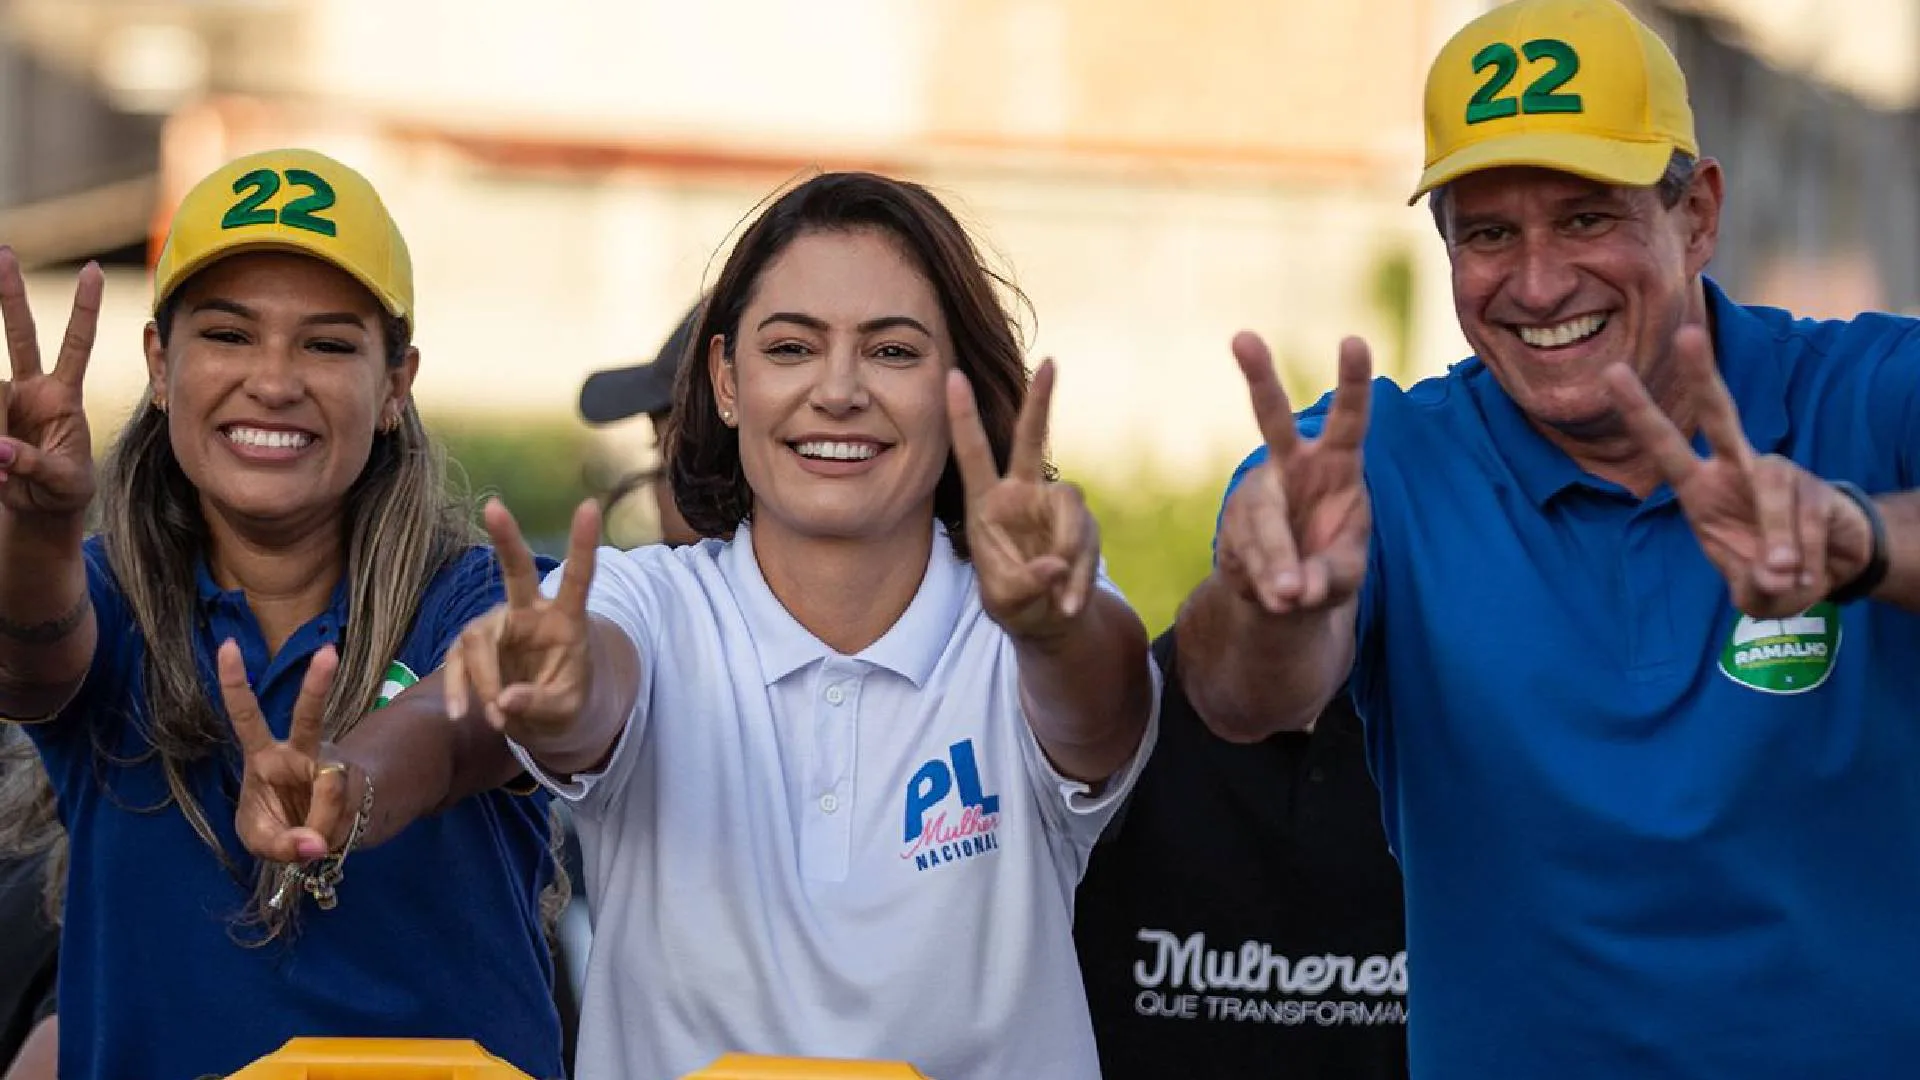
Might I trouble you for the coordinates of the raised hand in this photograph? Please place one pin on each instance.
(291, 800)
(1782, 537)
(1035, 546)
(46, 453)
(1294, 534)
(525, 662)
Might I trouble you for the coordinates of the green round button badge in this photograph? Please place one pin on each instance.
(1783, 656)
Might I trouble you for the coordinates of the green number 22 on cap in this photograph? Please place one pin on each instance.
(1541, 96)
(256, 187)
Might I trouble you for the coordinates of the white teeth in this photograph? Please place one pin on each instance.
(272, 440)
(837, 451)
(1547, 337)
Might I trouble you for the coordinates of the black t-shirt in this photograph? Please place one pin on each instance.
(1243, 917)
(29, 949)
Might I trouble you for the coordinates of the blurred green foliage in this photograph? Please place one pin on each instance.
(1392, 297)
(1156, 531)
(540, 469)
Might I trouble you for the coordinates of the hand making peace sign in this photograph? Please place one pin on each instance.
(1035, 546)
(1782, 537)
(291, 801)
(46, 455)
(525, 662)
(1294, 534)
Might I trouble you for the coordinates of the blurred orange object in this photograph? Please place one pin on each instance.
(380, 1059)
(757, 1067)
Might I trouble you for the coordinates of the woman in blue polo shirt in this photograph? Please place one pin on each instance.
(272, 515)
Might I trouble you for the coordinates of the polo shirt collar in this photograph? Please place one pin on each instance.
(910, 648)
(1752, 368)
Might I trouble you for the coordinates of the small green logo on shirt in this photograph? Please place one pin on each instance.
(1784, 656)
(399, 677)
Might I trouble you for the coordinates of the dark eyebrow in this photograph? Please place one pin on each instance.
(885, 322)
(889, 322)
(324, 318)
(228, 306)
(334, 318)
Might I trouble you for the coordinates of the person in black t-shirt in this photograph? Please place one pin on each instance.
(1242, 916)
(32, 866)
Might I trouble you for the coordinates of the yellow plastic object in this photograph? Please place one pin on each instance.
(759, 1067)
(380, 1059)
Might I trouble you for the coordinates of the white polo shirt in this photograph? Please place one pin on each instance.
(797, 852)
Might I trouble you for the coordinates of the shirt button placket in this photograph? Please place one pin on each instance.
(833, 766)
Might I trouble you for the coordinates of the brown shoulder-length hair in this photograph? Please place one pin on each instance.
(703, 454)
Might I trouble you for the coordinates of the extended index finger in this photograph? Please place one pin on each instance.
(243, 709)
(1030, 430)
(23, 347)
(576, 577)
(1712, 404)
(971, 451)
(1271, 410)
(517, 571)
(1650, 428)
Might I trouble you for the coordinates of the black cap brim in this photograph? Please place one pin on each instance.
(607, 396)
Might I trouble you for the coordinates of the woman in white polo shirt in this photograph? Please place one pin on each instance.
(837, 776)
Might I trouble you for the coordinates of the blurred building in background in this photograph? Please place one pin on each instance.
(1812, 107)
(1153, 176)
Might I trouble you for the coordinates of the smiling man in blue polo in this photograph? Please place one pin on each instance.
(1627, 601)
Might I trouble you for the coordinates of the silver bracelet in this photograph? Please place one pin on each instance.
(321, 877)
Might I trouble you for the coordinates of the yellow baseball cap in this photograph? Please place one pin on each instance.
(289, 200)
(1581, 86)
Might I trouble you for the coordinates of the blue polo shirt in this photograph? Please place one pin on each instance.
(1641, 835)
(437, 932)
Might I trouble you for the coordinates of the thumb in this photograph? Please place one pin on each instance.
(268, 827)
(268, 838)
(325, 810)
(1048, 571)
(307, 845)
(524, 704)
(1345, 563)
(28, 462)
